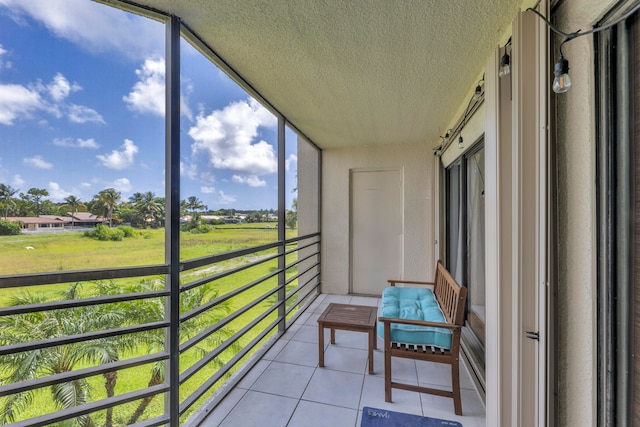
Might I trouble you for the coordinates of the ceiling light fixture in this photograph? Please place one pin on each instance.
(562, 81)
(460, 142)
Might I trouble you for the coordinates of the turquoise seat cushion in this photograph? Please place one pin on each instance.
(414, 304)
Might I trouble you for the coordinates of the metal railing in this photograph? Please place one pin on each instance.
(232, 309)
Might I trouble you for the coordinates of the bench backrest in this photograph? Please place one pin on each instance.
(451, 296)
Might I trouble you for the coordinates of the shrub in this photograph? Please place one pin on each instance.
(201, 229)
(103, 232)
(127, 230)
(116, 234)
(10, 228)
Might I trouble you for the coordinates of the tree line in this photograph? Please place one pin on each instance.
(141, 210)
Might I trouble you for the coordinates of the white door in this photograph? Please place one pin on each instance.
(376, 229)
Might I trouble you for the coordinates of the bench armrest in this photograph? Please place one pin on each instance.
(419, 323)
(393, 282)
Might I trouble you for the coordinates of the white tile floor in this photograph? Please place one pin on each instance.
(287, 388)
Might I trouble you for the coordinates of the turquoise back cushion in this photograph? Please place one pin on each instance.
(414, 304)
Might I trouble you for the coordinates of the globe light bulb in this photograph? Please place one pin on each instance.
(562, 81)
(505, 65)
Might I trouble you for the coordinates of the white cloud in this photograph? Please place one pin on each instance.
(17, 101)
(122, 185)
(208, 177)
(290, 161)
(207, 190)
(4, 63)
(228, 138)
(20, 102)
(60, 88)
(37, 162)
(148, 94)
(92, 26)
(251, 180)
(17, 181)
(225, 199)
(78, 143)
(188, 170)
(120, 159)
(82, 114)
(56, 193)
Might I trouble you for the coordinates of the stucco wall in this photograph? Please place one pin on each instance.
(416, 160)
(576, 323)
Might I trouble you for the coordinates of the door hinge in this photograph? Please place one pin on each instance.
(534, 335)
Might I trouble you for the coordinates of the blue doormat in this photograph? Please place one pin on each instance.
(372, 417)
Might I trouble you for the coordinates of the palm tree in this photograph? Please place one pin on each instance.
(148, 205)
(105, 203)
(6, 194)
(188, 301)
(29, 365)
(194, 204)
(73, 203)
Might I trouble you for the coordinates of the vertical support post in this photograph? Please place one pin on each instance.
(172, 215)
(319, 289)
(282, 292)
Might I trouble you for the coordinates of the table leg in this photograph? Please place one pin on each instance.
(372, 343)
(333, 336)
(321, 345)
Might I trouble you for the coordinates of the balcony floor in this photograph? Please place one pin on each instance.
(287, 388)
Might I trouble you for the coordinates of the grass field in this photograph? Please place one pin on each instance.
(74, 251)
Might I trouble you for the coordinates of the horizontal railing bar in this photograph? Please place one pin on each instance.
(306, 307)
(299, 287)
(191, 399)
(295, 277)
(225, 273)
(153, 422)
(290, 309)
(298, 261)
(299, 248)
(212, 259)
(204, 307)
(228, 319)
(87, 408)
(298, 238)
(85, 302)
(72, 339)
(193, 369)
(53, 278)
(23, 386)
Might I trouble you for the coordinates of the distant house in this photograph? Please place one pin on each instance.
(53, 223)
(85, 219)
(39, 223)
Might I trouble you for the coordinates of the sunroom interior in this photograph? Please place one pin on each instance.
(413, 143)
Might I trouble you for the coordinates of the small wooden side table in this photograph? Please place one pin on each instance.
(346, 317)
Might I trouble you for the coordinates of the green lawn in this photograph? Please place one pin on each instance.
(73, 251)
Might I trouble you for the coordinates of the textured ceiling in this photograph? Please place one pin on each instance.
(354, 72)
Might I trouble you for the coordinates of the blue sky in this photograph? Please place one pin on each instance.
(82, 109)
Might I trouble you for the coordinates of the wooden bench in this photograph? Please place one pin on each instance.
(451, 299)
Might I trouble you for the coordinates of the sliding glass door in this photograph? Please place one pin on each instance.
(465, 242)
